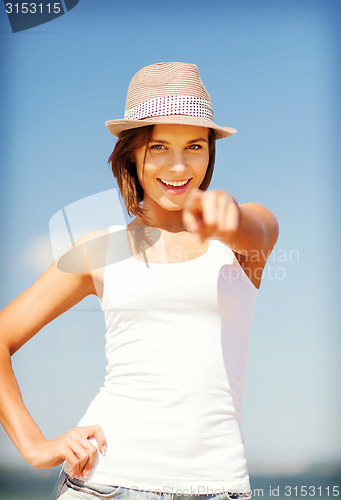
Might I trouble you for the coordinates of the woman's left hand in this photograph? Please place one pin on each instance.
(211, 214)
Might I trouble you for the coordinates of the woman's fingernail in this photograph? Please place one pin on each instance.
(104, 450)
(86, 473)
(192, 227)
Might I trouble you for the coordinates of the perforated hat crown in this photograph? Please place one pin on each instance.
(168, 93)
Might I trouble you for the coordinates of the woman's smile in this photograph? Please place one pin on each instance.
(175, 187)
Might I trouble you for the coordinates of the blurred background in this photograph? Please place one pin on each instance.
(272, 70)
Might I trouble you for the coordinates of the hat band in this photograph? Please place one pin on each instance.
(171, 105)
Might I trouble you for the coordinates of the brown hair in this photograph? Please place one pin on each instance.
(124, 170)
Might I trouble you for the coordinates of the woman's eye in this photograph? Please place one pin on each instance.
(158, 147)
(194, 146)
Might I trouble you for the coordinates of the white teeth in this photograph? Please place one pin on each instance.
(176, 183)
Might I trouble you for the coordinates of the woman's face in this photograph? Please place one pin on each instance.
(177, 154)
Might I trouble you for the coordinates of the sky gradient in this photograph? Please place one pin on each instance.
(271, 69)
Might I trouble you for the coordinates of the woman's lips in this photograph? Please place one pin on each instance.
(175, 189)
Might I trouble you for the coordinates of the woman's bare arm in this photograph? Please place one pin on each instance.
(52, 294)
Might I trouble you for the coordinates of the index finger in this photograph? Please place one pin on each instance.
(192, 213)
(194, 199)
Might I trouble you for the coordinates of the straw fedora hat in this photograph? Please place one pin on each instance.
(168, 93)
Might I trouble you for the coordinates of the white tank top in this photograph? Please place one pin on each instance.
(176, 346)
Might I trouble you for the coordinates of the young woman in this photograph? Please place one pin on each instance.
(177, 287)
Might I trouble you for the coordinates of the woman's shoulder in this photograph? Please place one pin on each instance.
(87, 253)
(92, 235)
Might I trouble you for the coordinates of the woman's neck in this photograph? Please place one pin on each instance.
(154, 215)
(172, 223)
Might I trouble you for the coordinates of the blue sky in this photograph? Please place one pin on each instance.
(271, 70)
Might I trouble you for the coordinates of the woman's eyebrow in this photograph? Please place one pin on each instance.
(161, 141)
(198, 140)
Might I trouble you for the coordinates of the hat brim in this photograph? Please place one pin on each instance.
(115, 127)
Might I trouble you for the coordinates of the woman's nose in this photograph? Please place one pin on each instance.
(177, 162)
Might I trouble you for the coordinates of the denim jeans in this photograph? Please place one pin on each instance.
(76, 489)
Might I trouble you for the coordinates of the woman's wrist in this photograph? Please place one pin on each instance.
(30, 449)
